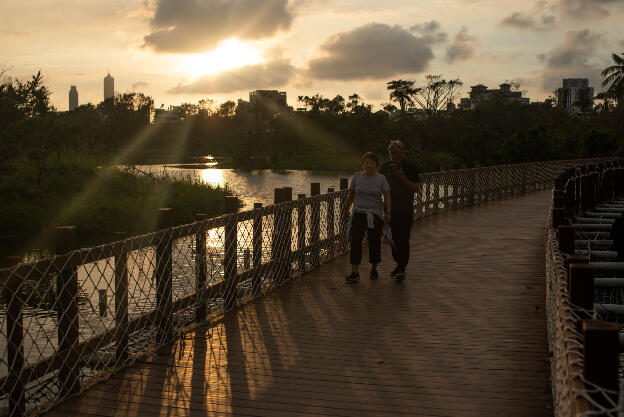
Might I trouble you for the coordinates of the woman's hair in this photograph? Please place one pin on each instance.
(371, 156)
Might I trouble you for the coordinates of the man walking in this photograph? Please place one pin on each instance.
(404, 182)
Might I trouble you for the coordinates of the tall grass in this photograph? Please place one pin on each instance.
(78, 191)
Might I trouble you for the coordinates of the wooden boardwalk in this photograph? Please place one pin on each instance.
(464, 335)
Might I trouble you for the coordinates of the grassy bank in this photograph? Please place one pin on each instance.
(78, 190)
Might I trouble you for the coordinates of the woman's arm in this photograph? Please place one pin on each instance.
(388, 204)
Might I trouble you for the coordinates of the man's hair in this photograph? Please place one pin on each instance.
(371, 156)
(397, 144)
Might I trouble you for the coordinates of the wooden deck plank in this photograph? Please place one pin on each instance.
(464, 335)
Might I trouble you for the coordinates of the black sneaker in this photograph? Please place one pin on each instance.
(400, 276)
(396, 271)
(353, 277)
(374, 274)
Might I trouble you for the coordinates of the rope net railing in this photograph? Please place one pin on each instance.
(73, 319)
(584, 296)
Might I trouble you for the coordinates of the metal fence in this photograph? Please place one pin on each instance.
(73, 319)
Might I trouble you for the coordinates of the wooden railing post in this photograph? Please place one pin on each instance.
(566, 239)
(287, 236)
(558, 217)
(164, 275)
(277, 242)
(301, 234)
(331, 235)
(15, 340)
(68, 327)
(342, 224)
(601, 358)
(257, 248)
(121, 299)
(230, 258)
(200, 268)
(315, 226)
(581, 285)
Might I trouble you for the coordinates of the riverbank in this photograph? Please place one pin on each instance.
(79, 190)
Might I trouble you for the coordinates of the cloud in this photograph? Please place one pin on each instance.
(271, 74)
(430, 31)
(463, 46)
(621, 42)
(584, 9)
(572, 59)
(371, 51)
(184, 26)
(140, 84)
(518, 20)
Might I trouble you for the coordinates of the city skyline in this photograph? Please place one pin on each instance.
(303, 47)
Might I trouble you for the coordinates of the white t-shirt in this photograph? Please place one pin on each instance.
(368, 190)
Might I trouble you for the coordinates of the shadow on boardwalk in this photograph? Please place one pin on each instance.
(464, 335)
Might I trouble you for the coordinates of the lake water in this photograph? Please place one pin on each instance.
(254, 186)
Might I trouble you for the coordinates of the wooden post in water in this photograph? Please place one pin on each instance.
(230, 258)
(331, 235)
(301, 233)
(257, 248)
(103, 302)
(566, 239)
(601, 358)
(200, 268)
(68, 330)
(315, 224)
(121, 298)
(558, 217)
(14, 340)
(164, 275)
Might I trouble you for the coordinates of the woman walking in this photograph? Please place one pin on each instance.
(367, 216)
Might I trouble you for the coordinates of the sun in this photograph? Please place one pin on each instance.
(230, 53)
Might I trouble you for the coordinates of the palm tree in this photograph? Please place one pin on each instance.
(402, 92)
(605, 96)
(614, 77)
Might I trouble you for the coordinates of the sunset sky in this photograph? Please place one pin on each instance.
(186, 50)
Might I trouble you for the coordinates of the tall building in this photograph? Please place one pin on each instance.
(109, 86)
(480, 93)
(576, 96)
(73, 98)
(268, 96)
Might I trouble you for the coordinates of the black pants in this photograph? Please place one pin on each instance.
(359, 225)
(401, 226)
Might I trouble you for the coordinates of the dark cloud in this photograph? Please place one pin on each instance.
(575, 50)
(430, 31)
(272, 74)
(369, 52)
(518, 20)
(583, 9)
(463, 46)
(572, 59)
(183, 26)
(140, 84)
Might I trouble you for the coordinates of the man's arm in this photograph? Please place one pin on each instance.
(411, 185)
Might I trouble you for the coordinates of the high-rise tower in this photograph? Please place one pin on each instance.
(73, 98)
(109, 86)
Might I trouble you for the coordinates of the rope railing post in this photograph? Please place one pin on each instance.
(164, 275)
(315, 224)
(15, 340)
(331, 235)
(200, 268)
(277, 240)
(301, 234)
(121, 299)
(257, 247)
(601, 358)
(67, 305)
(230, 257)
